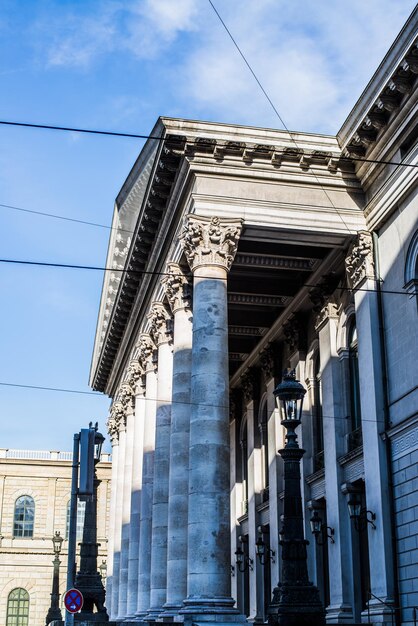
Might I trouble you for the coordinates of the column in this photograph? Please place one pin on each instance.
(160, 331)
(178, 293)
(146, 350)
(120, 412)
(340, 609)
(113, 430)
(210, 246)
(361, 275)
(127, 397)
(138, 383)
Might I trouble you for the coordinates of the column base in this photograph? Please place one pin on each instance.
(339, 614)
(170, 613)
(201, 611)
(378, 613)
(296, 605)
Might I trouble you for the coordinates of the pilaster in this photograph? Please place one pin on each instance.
(361, 276)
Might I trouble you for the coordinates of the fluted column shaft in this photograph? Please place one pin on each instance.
(179, 462)
(112, 520)
(134, 530)
(161, 473)
(147, 485)
(209, 246)
(118, 521)
(126, 512)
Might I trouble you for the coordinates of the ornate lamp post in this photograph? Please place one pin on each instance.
(88, 579)
(54, 611)
(296, 600)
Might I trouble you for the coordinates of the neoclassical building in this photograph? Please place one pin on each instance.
(236, 253)
(35, 487)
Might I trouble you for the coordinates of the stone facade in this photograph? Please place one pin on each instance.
(252, 251)
(26, 562)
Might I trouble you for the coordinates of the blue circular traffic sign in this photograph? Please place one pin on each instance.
(73, 600)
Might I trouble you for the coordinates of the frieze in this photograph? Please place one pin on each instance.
(270, 261)
(404, 444)
(257, 300)
(177, 288)
(210, 241)
(359, 263)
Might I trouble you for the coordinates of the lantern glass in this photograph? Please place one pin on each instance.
(98, 443)
(260, 547)
(289, 397)
(57, 542)
(316, 523)
(354, 507)
(239, 555)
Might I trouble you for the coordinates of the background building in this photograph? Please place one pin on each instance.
(247, 251)
(35, 491)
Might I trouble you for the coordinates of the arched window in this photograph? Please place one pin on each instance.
(411, 267)
(81, 512)
(263, 425)
(355, 438)
(24, 517)
(18, 608)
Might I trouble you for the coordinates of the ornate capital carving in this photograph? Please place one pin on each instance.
(248, 386)
(267, 363)
(210, 241)
(177, 288)
(146, 349)
(117, 417)
(328, 311)
(113, 430)
(160, 327)
(126, 396)
(359, 263)
(292, 330)
(321, 292)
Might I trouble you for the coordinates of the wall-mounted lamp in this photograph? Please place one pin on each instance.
(360, 514)
(264, 553)
(320, 531)
(243, 560)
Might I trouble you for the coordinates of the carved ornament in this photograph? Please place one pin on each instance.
(328, 311)
(210, 241)
(292, 333)
(248, 386)
(160, 327)
(267, 363)
(359, 263)
(177, 288)
(146, 349)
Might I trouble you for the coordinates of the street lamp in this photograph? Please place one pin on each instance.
(88, 579)
(320, 531)
(54, 611)
(296, 600)
(360, 514)
(243, 560)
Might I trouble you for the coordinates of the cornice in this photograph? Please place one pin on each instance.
(389, 89)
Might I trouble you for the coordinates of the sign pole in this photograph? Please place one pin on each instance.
(72, 533)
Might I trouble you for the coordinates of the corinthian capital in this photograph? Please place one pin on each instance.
(359, 263)
(159, 319)
(177, 288)
(113, 430)
(135, 376)
(146, 349)
(210, 241)
(117, 417)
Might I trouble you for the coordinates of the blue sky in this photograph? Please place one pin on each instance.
(118, 65)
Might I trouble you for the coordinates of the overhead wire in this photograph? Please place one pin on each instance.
(99, 394)
(155, 273)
